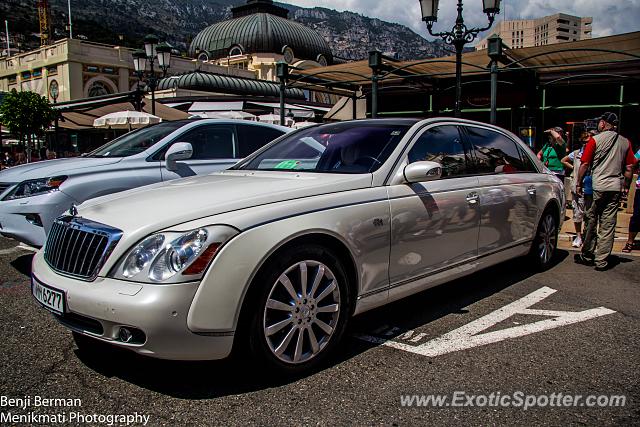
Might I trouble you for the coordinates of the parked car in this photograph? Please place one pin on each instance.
(33, 195)
(276, 254)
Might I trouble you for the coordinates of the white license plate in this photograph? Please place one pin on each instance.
(52, 299)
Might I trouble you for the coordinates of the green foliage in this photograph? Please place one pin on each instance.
(26, 113)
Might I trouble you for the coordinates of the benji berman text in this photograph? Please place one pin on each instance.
(37, 402)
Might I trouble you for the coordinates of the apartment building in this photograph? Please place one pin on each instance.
(543, 31)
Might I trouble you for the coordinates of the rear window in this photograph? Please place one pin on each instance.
(495, 153)
(251, 138)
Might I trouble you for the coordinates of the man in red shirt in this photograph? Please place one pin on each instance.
(609, 156)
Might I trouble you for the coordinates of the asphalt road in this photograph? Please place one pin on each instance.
(364, 385)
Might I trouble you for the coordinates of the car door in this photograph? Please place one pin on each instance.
(434, 224)
(508, 192)
(214, 148)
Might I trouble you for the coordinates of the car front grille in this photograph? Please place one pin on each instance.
(78, 247)
(4, 186)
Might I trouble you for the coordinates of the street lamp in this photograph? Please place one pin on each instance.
(459, 34)
(142, 58)
(282, 72)
(494, 50)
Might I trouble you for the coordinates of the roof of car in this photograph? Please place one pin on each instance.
(392, 122)
(226, 121)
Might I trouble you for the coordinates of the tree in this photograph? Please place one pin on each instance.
(26, 114)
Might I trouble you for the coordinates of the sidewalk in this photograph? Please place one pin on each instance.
(568, 232)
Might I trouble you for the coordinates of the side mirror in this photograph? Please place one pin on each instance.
(178, 151)
(422, 171)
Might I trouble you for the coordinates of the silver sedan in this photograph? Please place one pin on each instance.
(277, 254)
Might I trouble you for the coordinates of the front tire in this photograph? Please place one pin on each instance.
(302, 309)
(545, 242)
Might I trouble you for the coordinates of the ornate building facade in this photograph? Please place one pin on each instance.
(257, 37)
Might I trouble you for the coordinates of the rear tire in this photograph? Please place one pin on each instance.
(300, 309)
(545, 242)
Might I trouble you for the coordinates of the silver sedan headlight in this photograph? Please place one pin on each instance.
(34, 187)
(173, 257)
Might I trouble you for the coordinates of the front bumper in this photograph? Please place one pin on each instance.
(159, 311)
(14, 221)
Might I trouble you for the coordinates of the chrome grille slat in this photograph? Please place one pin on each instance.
(84, 272)
(59, 248)
(84, 239)
(55, 250)
(49, 247)
(65, 245)
(72, 241)
(73, 237)
(95, 252)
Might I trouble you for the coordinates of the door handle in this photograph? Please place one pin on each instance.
(531, 190)
(473, 198)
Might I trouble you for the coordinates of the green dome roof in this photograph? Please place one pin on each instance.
(260, 33)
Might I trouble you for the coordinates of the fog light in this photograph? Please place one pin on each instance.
(125, 335)
(34, 219)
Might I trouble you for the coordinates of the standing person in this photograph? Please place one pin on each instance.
(8, 160)
(553, 151)
(634, 223)
(609, 155)
(572, 162)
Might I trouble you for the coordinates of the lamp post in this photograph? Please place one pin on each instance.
(147, 57)
(54, 92)
(282, 72)
(459, 34)
(375, 63)
(495, 52)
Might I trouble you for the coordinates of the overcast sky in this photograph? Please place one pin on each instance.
(609, 17)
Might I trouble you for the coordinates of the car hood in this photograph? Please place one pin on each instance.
(163, 205)
(49, 168)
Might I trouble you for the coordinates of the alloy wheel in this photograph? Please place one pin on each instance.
(547, 239)
(301, 312)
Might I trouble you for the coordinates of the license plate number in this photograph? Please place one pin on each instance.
(52, 299)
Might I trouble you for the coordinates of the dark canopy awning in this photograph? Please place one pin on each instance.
(620, 51)
(218, 83)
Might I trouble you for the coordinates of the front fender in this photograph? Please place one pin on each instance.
(219, 299)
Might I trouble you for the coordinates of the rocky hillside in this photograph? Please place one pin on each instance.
(350, 35)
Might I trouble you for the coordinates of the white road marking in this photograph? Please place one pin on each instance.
(469, 336)
(418, 337)
(406, 335)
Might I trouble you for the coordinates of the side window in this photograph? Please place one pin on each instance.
(495, 153)
(527, 164)
(251, 138)
(210, 142)
(444, 145)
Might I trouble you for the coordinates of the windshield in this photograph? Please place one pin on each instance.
(135, 142)
(353, 147)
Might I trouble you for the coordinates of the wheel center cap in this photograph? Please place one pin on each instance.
(305, 311)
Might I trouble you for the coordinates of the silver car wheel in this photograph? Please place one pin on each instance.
(547, 238)
(301, 312)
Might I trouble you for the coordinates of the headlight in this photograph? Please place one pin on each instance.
(34, 187)
(173, 257)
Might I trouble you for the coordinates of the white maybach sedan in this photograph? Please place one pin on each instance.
(279, 252)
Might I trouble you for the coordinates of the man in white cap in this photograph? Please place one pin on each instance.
(609, 157)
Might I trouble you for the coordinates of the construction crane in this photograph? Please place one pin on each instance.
(44, 15)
